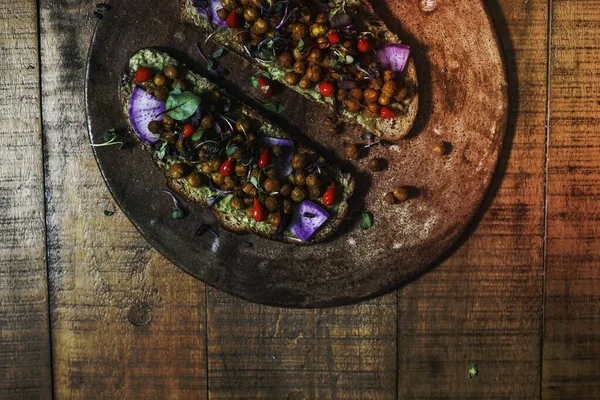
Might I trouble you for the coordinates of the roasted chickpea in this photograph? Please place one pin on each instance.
(159, 79)
(375, 83)
(299, 161)
(248, 201)
(341, 95)
(321, 18)
(439, 149)
(298, 194)
(299, 31)
(317, 30)
(401, 193)
(274, 219)
(271, 203)
(239, 10)
(215, 164)
(277, 150)
(371, 95)
(322, 42)
(285, 60)
(237, 203)
(375, 164)
(286, 190)
(305, 83)
(260, 27)
(243, 125)
(167, 121)
(179, 82)
(222, 14)
(401, 93)
(241, 36)
(313, 180)
(230, 182)
(217, 178)
(313, 72)
(373, 108)
(388, 75)
(203, 153)
(288, 207)
(251, 138)
(356, 93)
(206, 122)
(389, 88)
(251, 14)
(325, 63)
(353, 105)
(314, 192)
(347, 44)
(255, 39)
(171, 71)
(155, 127)
(178, 170)
(297, 54)
(241, 169)
(291, 78)
(250, 190)
(351, 151)
(300, 178)
(228, 4)
(257, 3)
(384, 100)
(300, 67)
(206, 168)
(389, 198)
(169, 136)
(195, 180)
(315, 55)
(161, 93)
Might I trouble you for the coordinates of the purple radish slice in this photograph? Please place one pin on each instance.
(283, 162)
(143, 109)
(393, 56)
(308, 217)
(210, 11)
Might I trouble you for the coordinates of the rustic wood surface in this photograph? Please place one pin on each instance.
(519, 297)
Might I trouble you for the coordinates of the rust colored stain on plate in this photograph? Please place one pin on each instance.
(463, 98)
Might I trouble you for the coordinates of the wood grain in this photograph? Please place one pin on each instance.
(572, 336)
(260, 352)
(125, 322)
(25, 370)
(483, 305)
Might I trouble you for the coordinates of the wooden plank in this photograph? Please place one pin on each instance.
(259, 352)
(483, 305)
(125, 322)
(25, 370)
(572, 335)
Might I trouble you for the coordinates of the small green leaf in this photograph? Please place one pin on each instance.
(108, 213)
(231, 150)
(254, 181)
(198, 134)
(218, 53)
(109, 135)
(161, 151)
(177, 213)
(182, 105)
(300, 45)
(473, 370)
(103, 7)
(275, 107)
(349, 59)
(366, 220)
(255, 82)
(210, 64)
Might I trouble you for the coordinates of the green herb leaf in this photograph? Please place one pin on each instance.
(275, 107)
(473, 370)
(366, 220)
(103, 7)
(218, 53)
(210, 64)
(231, 149)
(198, 134)
(254, 82)
(109, 135)
(300, 45)
(177, 213)
(254, 181)
(182, 105)
(108, 213)
(162, 150)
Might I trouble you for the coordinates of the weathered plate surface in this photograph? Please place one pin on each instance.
(463, 101)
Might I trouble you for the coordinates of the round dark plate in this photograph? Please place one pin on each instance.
(463, 97)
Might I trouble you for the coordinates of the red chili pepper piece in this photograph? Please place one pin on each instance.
(258, 211)
(233, 20)
(386, 113)
(363, 45)
(143, 74)
(188, 130)
(329, 195)
(326, 89)
(265, 86)
(264, 159)
(226, 168)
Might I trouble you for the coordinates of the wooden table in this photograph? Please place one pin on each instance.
(88, 310)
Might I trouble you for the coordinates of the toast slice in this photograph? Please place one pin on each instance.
(388, 128)
(209, 194)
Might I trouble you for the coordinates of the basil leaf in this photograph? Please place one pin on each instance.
(275, 107)
(366, 220)
(182, 105)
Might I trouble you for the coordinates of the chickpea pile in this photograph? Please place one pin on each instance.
(233, 162)
(316, 56)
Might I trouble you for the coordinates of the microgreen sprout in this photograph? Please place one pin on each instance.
(370, 142)
(177, 212)
(110, 139)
